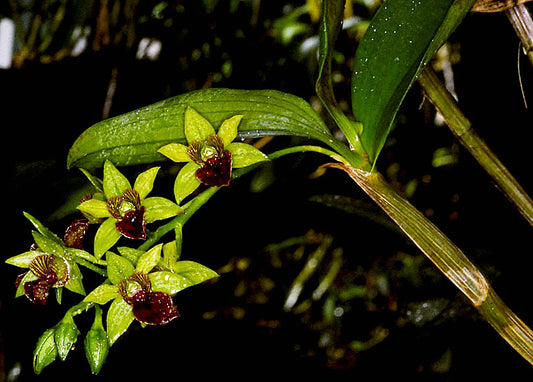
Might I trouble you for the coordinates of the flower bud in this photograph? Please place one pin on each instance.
(65, 335)
(96, 343)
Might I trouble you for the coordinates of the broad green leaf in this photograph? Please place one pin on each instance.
(158, 208)
(149, 259)
(229, 129)
(244, 155)
(102, 294)
(135, 137)
(45, 352)
(114, 181)
(401, 38)
(118, 268)
(106, 236)
(186, 182)
(119, 318)
(145, 182)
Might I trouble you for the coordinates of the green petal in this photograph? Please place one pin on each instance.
(195, 272)
(102, 294)
(24, 259)
(97, 183)
(245, 155)
(197, 128)
(74, 283)
(42, 229)
(169, 282)
(106, 236)
(95, 207)
(229, 129)
(114, 182)
(175, 152)
(149, 259)
(131, 254)
(145, 182)
(186, 182)
(118, 267)
(47, 245)
(119, 318)
(158, 208)
(170, 255)
(29, 276)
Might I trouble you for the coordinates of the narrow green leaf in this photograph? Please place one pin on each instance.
(135, 137)
(401, 38)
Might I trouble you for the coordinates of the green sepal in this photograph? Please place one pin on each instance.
(169, 282)
(229, 129)
(144, 183)
(171, 253)
(131, 254)
(176, 152)
(95, 207)
(74, 283)
(186, 182)
(106, 236)
(149, 259)
(97, 183)
(158, 208)
(42, 229)
(48, 245)
(45, 352)
(119, 318)
(29, 276)
(118, 268)
(65, 336)
(102, 294)
(195, 272)
(244, 155)
(114, 181)
(197, 128)
(96, 343)
(24, 259)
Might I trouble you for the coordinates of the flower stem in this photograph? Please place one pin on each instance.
(448, 258)
(461, 127)
(522, 22)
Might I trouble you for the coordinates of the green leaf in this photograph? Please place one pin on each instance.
(106, 236)
(149, 259)
(244, 155)
(186, 182)
(158, 208)
(145, 182)
(119, 318)
(102, 294)
(229, 129)
(97, 183)
(114, 182)
(330, 26)
(118, 268)
(401, 38)
(135, 137)
(45, 352)
(42, 229)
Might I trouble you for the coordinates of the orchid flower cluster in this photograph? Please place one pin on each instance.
(138, 283)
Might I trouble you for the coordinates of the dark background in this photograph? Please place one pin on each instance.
(44, 107)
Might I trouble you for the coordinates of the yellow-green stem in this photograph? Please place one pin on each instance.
(448, 258)
(461, 127)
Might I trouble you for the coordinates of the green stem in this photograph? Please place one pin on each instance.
(461, 127)
(448, 258)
